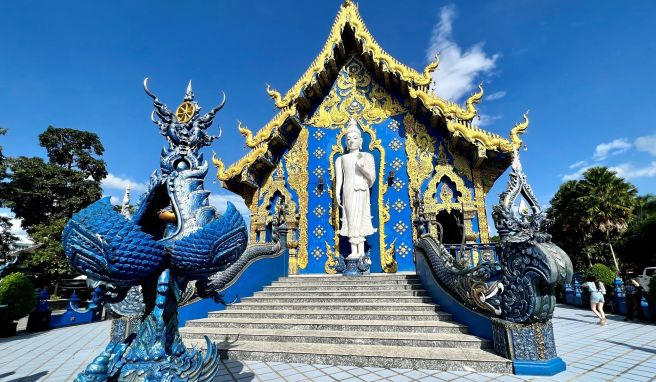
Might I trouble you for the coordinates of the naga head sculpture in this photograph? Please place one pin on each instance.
(530, 261)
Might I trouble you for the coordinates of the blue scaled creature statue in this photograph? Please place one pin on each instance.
(520, 287)
(149, 262)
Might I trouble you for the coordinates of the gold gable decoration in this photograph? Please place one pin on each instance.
(415, 87)
(298, 178)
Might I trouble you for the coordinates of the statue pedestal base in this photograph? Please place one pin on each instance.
(531, 347)
(352, 268)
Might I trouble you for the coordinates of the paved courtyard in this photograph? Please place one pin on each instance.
(619, 351)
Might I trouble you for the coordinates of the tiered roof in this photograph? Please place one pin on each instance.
(349, 36)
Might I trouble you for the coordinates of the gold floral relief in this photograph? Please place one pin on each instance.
(444, 169)
(479, 193)
(355, 94)
(420, 150)
(297, 160)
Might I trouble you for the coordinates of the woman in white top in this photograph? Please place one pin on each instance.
(596, 298)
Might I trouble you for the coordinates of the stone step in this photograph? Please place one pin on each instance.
(232, 335)
(340, 278)
(353, 306)
(432, 326)
(345, 283)
(334, 299)
(334, 315)
(365, 355)
(330, 293)
(341, 287)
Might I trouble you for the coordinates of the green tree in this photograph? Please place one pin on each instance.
(7, 239)
(608, 203)
(596, 209)
(565, 214)
(75, 149)
(44, 195)
(635, 247)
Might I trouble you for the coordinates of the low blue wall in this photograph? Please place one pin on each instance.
(253, 278)
(479, 324)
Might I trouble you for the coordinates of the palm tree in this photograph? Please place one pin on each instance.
(608, 202)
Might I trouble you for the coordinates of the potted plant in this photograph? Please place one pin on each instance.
(18, 297)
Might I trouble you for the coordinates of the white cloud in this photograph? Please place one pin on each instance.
(578, 164)
(496, 95)
(628, 171)
(486, 119)
(458, 69)
(646, 144)
(575, 175)
(219, 201)
(16, 228)
(114, 182)
(604, 150)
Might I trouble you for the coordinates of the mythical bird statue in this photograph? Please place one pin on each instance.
(150, 263)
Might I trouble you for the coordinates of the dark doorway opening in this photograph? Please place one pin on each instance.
(452, 233)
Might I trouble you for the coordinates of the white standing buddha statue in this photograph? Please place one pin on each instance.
(356, 173)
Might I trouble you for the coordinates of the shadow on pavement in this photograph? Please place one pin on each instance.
(647, 350)
(30, 378)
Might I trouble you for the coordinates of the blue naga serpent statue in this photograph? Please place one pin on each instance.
(154, 261)
(520, 287)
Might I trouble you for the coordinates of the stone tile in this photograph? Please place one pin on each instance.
(342, 375)
(370, 377)
(324, 378)
(399, 378)
(314, 373)
(332, 370)
(296, 378)
(446, 376)
(267, 376)
(386, 373)
(287, 372)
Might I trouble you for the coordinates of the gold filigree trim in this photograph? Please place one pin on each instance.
(236, 168)
(297, 159)
(348, 14)
(264, 134)
(479, 193)
(444, 169)
(448, 108)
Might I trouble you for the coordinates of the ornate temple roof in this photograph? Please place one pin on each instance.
(349, 36)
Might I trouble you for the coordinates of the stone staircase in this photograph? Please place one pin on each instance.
(375, 320)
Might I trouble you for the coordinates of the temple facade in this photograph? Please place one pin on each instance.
(431, 162)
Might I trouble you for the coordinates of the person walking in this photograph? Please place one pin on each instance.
(596, 298)
(633, 292)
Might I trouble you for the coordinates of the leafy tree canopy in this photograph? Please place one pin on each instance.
(75, 149)
(40, 192)
(46, 194)
(590, 211)
(7, 239)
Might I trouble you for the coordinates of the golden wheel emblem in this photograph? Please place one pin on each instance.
(185, 112)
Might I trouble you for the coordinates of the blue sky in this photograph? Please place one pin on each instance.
(584, 69)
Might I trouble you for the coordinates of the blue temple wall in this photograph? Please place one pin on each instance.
(387, 123)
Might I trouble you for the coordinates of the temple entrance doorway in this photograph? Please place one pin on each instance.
(452, 232)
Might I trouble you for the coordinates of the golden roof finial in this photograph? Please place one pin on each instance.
(275, 95)
(346, 3)
(518, 130)
(430, 68)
